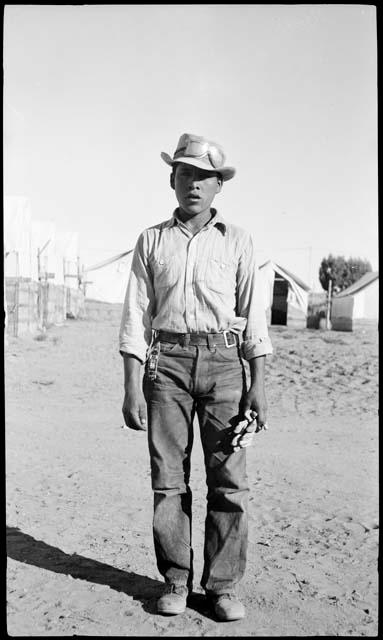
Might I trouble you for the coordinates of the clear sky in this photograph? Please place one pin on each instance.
(94, 93)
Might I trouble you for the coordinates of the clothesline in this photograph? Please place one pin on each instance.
(104, 263)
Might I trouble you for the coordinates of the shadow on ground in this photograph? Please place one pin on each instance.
(198, 602)
(24, 548)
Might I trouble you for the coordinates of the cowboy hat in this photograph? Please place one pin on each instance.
(200, 152)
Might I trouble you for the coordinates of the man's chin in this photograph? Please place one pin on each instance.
(193, 208)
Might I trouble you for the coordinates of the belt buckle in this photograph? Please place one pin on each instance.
(225, 334)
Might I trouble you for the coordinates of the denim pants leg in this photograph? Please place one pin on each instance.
(226, 525)
(210, 382)
(170, 438)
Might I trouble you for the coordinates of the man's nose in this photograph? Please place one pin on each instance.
(194, 180)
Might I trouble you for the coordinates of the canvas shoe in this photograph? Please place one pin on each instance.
(227, 607)
(173, 600)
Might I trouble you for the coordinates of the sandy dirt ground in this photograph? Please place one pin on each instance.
(79, 502)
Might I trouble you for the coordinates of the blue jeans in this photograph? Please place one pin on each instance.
(211, 383)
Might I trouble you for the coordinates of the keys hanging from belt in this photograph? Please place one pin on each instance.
(153, 363)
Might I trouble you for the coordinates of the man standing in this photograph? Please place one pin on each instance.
(193, 315)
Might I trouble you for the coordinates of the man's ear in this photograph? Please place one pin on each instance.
(172, 179)
(219, 184)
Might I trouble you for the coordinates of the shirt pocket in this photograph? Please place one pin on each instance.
(165, 271)
(221, 275)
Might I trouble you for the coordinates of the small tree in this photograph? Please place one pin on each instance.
(357, 269)
(341, 272)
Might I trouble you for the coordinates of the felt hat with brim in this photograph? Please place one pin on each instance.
(202, 153)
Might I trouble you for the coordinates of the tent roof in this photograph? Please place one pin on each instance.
(286, 274)
(363, 282)
(105, 263)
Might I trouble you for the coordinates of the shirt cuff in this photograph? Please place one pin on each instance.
(256, 347)
(124, 353)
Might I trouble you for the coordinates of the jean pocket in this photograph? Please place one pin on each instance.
(227, 354)
(168, 347)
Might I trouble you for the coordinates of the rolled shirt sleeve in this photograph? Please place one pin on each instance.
(136, 321)
(251, 305)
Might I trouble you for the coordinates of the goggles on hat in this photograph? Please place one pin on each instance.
(197, 149)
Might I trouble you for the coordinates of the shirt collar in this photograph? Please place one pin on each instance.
(217, 220)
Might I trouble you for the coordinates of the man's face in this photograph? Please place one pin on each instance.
(195, 188)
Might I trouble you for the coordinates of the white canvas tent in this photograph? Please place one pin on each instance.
(106, 281)
(286, 296)
(357, 303)
(43, 241)
(67, 246)
(17, 237)
(24, 237)
(37, 291)
(58, 253)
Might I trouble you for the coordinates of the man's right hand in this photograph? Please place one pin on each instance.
(134, 409)
(134, 406)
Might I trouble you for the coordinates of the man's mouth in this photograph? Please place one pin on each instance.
(193, 197)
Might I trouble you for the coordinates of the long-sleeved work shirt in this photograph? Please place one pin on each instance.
(187, 283)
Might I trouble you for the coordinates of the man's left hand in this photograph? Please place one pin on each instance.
(254, 416)
(255, 406)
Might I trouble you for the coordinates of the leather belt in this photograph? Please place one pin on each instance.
(225, 338)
